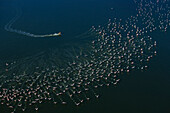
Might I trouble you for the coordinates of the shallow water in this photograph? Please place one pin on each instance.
(138, 92)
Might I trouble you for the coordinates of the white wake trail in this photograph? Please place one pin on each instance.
(8, 27)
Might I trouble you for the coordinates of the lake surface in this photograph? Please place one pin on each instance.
(137, 92)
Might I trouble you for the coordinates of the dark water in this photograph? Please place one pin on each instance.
(138, 92)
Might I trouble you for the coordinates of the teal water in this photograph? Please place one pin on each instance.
(138, 92)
